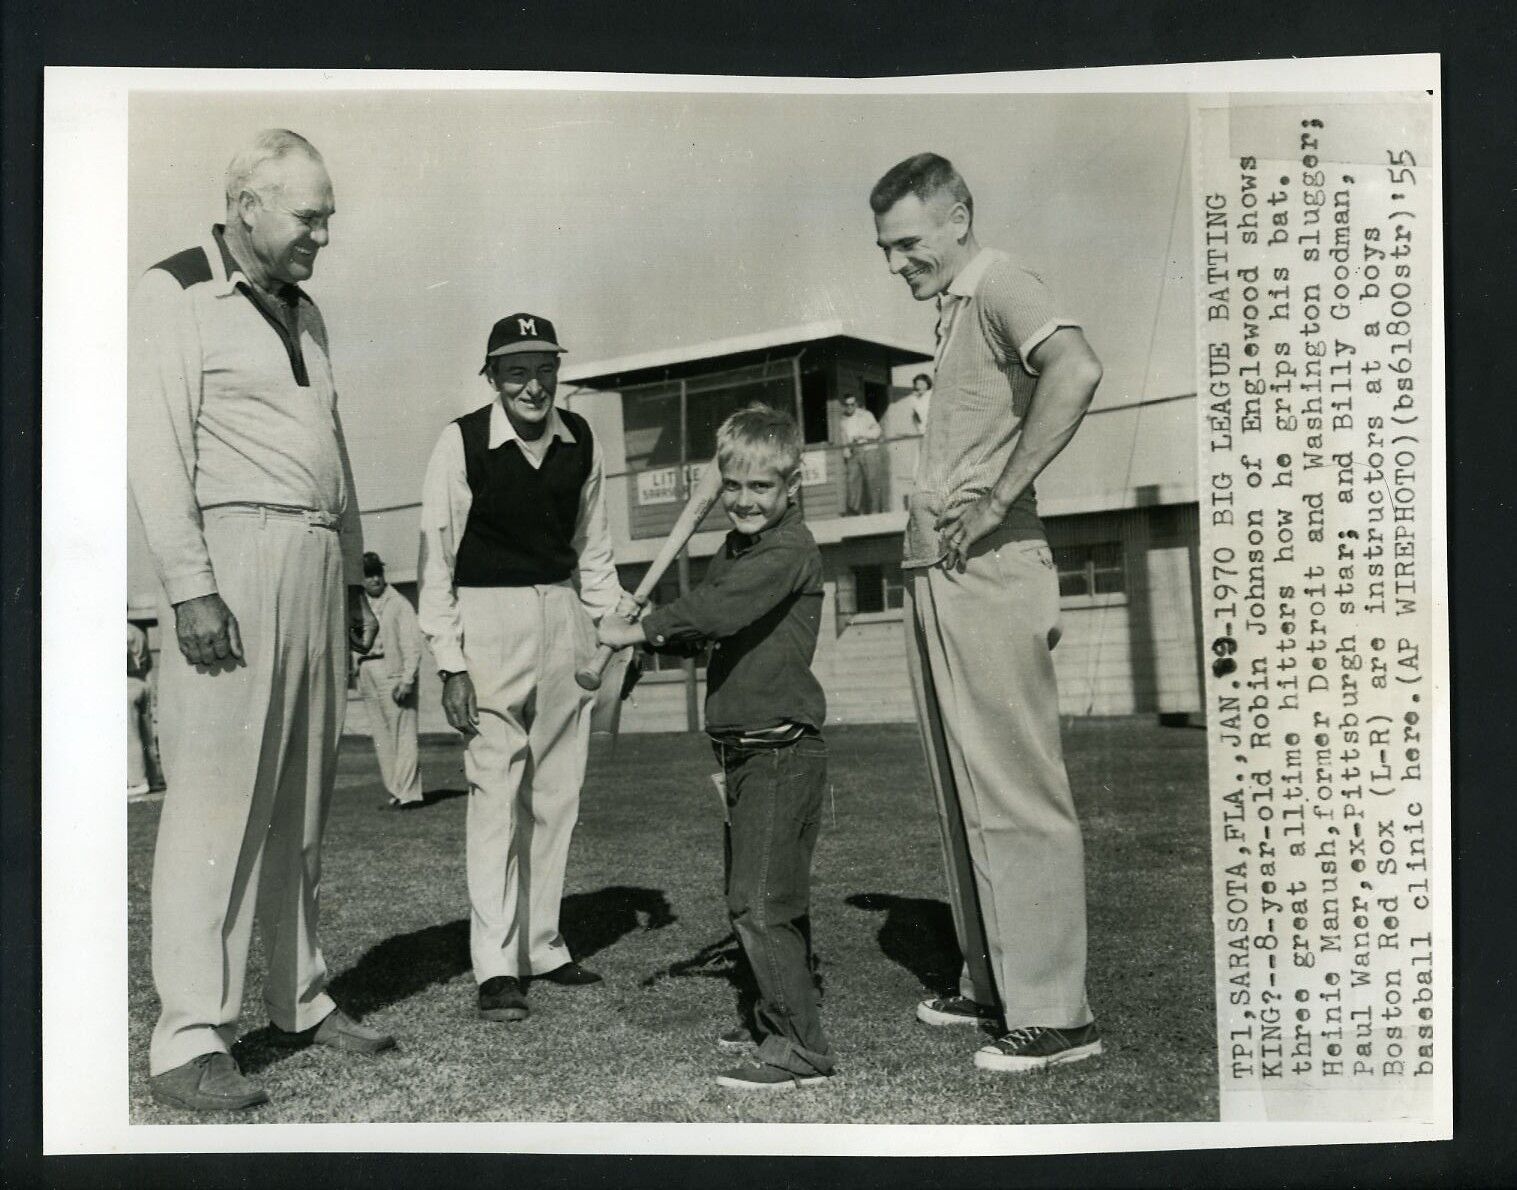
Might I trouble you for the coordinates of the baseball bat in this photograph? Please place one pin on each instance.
(702, 497)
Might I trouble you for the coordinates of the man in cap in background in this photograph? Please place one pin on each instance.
(515, 570)
(387, 675)
(239, 470)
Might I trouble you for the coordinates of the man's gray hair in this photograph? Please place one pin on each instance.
(272, 144)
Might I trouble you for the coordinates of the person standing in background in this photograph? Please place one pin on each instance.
(905, 423)
(387, 675)
(863, 462)
(141, 745)
(239, 470)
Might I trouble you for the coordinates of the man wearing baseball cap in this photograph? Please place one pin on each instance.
(515, 570)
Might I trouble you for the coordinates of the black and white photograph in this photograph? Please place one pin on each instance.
(674, 614)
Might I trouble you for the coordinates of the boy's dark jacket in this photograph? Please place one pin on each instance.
(761, 607)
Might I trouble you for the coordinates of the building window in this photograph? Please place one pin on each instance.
(867, 589)
(1086, 571)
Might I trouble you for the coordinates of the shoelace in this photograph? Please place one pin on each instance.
(1023, 1037)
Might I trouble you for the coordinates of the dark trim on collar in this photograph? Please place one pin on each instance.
(288, 290)
(289, 297)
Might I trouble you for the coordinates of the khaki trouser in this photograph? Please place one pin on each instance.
(865, 480)
(525, 767)
(252, 747)
(979, 649)
(393, 727)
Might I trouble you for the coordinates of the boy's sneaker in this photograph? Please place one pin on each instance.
(736, 1040)
(1039, 1047)
(760, 1076)
(955, 1010)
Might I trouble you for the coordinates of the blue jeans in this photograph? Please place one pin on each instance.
(774, 805)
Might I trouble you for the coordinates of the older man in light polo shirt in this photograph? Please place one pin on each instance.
(239, 470)
(1014, 377)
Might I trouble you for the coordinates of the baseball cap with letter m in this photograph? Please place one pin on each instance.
(520, 332)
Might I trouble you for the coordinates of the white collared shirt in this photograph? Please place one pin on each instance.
(446, 499)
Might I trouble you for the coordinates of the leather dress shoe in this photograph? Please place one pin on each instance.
(338, 1031)
(570, 975)
(501, 999)
(207, 1082)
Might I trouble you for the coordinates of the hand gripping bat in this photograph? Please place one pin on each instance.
(702, 497)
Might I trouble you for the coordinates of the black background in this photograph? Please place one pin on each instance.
(859, 40)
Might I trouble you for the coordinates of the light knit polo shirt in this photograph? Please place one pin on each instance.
(228, 401)
(991, 318)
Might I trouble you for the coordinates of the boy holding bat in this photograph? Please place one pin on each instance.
(760, 608)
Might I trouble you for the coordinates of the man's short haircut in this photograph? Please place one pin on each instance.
(272, 144)
(922, 376)
(762, 435)
(925, 175)
(373, 565)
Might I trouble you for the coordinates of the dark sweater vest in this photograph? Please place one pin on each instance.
(521, 523)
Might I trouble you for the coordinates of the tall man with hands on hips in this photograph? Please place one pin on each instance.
(1014, 378)
(515, 570)
(240, 473)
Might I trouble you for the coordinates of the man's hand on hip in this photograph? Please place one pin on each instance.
(207, 630)
(459, 705)
(959, 530)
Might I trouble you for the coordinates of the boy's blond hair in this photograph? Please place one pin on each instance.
(762, 435)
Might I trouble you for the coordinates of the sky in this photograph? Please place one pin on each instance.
(643, 221)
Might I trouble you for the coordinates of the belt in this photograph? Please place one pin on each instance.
(371, 657)
(289, 512)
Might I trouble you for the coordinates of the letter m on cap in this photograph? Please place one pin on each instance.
(527, 326)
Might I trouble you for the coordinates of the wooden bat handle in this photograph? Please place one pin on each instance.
(589, 677)
(695, 510)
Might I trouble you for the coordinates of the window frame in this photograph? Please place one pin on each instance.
(1090, 597)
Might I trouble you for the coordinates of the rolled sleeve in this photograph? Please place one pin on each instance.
(163, 403)
(1018, 311)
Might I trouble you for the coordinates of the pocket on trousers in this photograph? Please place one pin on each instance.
(1027, 568)
(806, 780)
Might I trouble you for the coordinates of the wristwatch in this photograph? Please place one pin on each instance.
(445, 674)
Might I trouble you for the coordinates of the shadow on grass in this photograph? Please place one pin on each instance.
(724, 959)
(917, 934)
(404, 965)
(433, 796)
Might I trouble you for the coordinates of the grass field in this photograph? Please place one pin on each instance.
(643, 907)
